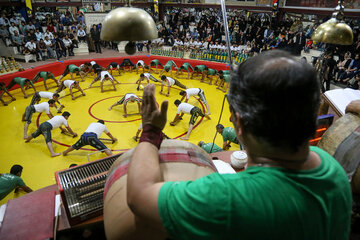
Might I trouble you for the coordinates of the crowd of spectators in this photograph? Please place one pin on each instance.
(202, 29)
(53, 37)
(185, 29)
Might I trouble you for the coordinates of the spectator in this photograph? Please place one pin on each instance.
(29, 26)
(14, 20)
(13, 28)
(43, 50)
(73, 39)
(38, 35)
(50, 28)
(11, 181)
(81, 18)
(48, 34)
(95, 35)
(59, 47)
(81, 34)
(49, 46)
(18, 41)
(30, 47)
(68, 45)
(81, 25)
(4, 34)
(4, 21)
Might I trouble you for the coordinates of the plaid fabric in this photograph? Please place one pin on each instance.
(166, 155)
(115, 175)
(348, 152)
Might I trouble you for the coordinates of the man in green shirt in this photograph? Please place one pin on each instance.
(224, 84)
(198, 69)
(186, 66)
(168, 67)
(209, 147)
(3, 91)
(72, 69)
(228, 135)
(208, 73)
(156, 63)
(289, 189)
(11, 181)
(23, 82)
(219, 74)
(45, 76)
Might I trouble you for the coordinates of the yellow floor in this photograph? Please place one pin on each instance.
(39, 167)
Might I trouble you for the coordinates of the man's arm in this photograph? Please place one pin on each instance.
(115, 104)
(144, 178)
(23, 91)
(50, 116)
(24, 188)
(71, 92)
(111, 136)
(226, 145)
(82, 75)
(183, 98)
(80, 89)
(71, 131)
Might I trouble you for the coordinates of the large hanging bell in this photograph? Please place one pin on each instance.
(128, 24)
(333, 32)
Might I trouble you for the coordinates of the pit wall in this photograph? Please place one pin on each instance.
(57, 68)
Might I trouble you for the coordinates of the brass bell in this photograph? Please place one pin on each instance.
(128, 24)
(334, 31)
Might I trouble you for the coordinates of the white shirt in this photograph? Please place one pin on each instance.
(170, 81)
(141, 63)
(103, 73)
(178, 43)
(184, 107)
(42, 107)
(30, 46)
(12, 29)
(81, 33)
(38, 36)
(57, 121)
(128, 96)
(48, 95)
(198, 44)
(69, 83)
(147, 75)
(97, 128)
(92, 63)
(49, 35)
(192, 92)
(67, 42)
(48, 42)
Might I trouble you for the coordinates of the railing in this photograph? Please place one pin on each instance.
(207, 55)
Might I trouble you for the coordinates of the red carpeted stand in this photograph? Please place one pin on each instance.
(30, 216)
(57, 68)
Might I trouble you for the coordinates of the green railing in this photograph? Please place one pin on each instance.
(167, 53)
(207, 55)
